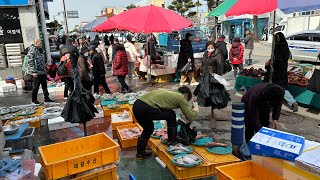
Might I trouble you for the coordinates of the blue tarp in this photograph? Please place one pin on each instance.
(93, 24)
(291, 6)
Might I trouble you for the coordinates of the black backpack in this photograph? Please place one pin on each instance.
(62, 70)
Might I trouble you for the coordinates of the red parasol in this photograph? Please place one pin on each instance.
(149, 19)
(106, 26)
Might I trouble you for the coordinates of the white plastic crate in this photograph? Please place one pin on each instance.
(5, 88)
(59, 123)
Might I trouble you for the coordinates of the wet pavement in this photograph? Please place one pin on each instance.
(150, 169)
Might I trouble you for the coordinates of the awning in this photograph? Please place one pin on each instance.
(93, 24)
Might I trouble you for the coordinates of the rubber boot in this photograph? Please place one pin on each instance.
(172, 135)
(250, 62)
(141, 149)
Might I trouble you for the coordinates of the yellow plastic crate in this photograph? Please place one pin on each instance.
(125, 143)
(107, 112)
(246, 171)
(114, 125)
(78, 155)
(35, 124)
(105, 174)
(153, 144)
(215, 160)
(201, 171)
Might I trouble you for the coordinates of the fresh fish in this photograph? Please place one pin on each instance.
(214, 144)
(179, 147)
(199, 136)
(187, 159)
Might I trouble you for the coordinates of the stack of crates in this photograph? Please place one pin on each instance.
(127, 143)
(115, 124)
(80, 158)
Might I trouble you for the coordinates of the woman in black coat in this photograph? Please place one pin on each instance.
(212, 57)
(185, 56)
(280, 67)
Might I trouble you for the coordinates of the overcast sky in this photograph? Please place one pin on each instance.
(88, 9)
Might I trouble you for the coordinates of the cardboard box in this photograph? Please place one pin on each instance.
(278, 144)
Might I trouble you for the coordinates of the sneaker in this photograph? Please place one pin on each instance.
(35, 102)
(48, 100)
(183, 83)
(194, 84)
(295, 107)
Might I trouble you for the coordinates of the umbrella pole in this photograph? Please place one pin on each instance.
(148, 61)
(273, 46)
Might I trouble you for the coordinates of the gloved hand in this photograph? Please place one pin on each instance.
(189, 60)
(195, 106)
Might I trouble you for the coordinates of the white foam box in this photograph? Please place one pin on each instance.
(287, 169)
(277, 144)
(5, 88)
(100, 110)
(59, 123)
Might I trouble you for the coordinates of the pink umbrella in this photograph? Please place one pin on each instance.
(149, 19)
(106, 26)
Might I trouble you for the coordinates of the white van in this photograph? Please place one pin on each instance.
(305, 45)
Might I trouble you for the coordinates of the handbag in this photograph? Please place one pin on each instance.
(227, 67)
(186, 68)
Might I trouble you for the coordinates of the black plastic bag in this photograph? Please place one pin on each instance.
(186, 135)
(314, 83)
(227, 67)
(79, 107)
(186, 68)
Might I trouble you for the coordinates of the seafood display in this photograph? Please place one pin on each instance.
(51, 104)
(24, 120)
(116, 94)
(125, 116)
(107, 97)
(186, 160)
(9, 116)
(54, 109)
(27, 112)
(179, 149)
(199, 136)
(121, 98)
(202, 140)
(214, 144)
(113, 106)
(129, 133)
(4, 111)
(219, 149)
(159, 133)
(14, 109)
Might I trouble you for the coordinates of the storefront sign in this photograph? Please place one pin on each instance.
(10, 29)
(14, 2)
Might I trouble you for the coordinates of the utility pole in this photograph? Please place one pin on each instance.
(65, 17)
(44, 31)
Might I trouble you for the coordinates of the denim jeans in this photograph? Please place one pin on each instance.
(289, 98)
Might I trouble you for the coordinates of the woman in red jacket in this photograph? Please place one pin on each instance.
(236, 56)
(120, 66)
(67, 76)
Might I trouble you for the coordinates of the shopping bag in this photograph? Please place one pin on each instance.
(186, 68)
(314, 83)
(186, 135)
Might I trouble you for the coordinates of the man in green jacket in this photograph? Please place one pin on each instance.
(159, 105)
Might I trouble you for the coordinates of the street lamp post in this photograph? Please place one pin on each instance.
(65, 17)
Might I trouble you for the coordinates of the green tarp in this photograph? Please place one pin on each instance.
(222, 8)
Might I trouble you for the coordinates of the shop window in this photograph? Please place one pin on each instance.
(302, 37)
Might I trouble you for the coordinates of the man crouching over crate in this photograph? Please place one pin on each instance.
(159, 105)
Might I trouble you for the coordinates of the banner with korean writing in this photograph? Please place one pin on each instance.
(10, 28)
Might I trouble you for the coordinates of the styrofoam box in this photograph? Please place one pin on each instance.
(278, 144)
(4, 88)
(100, 110)
(59, 123)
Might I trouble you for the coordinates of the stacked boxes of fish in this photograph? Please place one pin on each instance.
(108, 111)
(128, 135)
(120, 119)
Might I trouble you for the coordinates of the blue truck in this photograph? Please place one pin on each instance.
(170, 42)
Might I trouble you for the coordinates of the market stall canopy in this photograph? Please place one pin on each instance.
(149, 19)
(106, 26)
(93, 24)
(256, 7)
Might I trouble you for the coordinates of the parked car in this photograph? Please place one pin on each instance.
(305, 45)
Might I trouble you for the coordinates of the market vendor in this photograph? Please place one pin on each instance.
(159, 105)
(260, 100)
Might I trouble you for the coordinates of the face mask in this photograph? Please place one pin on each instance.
(210, 50)
(86, 54)
(67, 56)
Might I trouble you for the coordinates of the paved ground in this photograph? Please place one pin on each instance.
(302, 123)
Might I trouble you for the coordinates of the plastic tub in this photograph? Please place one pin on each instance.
(114, 125)
(105, 174)
(125, 143)
(247, 170)
(78, 155)
(24, 142)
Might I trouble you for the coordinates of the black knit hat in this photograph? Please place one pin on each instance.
(185, 90)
